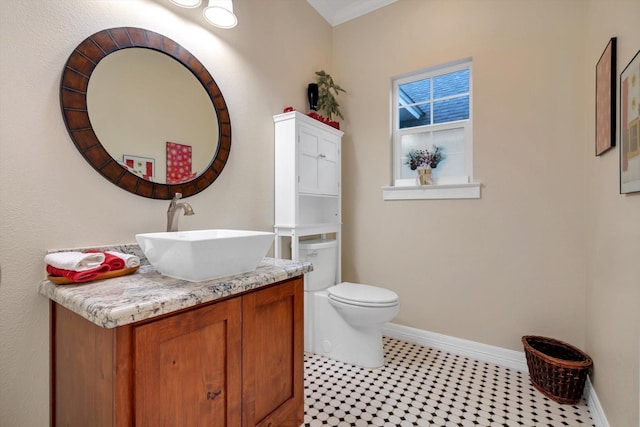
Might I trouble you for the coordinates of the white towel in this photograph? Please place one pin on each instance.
(74, 261)
(129, 260)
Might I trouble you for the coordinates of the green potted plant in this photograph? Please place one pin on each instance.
(327, 103)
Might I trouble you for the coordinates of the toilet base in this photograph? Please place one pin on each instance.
(328, 334)
(362, 350)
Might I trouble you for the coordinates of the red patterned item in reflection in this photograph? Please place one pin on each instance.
(179, 163)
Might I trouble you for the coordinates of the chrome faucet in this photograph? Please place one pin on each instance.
(172, 218)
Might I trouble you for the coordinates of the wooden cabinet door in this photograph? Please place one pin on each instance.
(188, 368)
(273, 356)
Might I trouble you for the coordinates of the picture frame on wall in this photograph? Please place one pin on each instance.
(606, 99)
(630, 127)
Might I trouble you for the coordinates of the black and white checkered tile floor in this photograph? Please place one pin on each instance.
(419, 386)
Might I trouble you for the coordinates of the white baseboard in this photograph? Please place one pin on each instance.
(597, 413)
(485, 353)
(482, 352)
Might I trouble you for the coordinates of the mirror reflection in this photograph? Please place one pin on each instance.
(152, 115)
(151, 101)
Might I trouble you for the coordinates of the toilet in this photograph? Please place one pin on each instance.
(343, 321)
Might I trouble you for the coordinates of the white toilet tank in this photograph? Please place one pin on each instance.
(323, 254)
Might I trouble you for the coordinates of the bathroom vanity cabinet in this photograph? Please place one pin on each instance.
(308, 194)
(234, 361)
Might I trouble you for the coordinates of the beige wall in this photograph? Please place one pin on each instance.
(549, 249)
(613, 237)
(51, 198)
(512, 262)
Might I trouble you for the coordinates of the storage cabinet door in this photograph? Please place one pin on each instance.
(308, 146)
(318, 161)
(273, 357)
(328, 176)
(188, 370)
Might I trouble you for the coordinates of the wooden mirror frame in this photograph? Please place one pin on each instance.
(73, 100)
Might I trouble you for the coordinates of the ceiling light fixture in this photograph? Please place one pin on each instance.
(187, 3)
(220, 14)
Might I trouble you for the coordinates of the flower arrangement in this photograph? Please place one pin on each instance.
(424, 159)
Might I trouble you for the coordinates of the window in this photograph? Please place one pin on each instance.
(432, 108)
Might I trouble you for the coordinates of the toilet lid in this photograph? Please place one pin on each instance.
(362, 295)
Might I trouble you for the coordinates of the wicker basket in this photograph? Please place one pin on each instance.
(557, 369)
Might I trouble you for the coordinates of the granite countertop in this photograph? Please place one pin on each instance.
(146, 293)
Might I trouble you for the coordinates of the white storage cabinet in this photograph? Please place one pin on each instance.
(307, 181)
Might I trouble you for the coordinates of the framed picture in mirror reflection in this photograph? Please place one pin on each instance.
(143, 167)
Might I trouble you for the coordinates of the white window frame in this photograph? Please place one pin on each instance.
(446, 188)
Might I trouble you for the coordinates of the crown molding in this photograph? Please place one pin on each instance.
(336, 12)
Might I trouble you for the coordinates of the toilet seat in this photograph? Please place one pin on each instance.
(362, 295)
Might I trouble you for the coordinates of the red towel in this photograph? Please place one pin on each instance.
(78, 276)
(114, 262)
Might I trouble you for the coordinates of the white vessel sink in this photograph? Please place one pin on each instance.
(200, 255)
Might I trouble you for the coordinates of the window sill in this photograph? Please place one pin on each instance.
(442, 191)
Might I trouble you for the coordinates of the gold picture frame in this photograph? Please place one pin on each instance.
(630, 127)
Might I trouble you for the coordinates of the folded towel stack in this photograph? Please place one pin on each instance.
(76, 261)
(78, 276)
(114, 261)
(87, 266)
(129, 260)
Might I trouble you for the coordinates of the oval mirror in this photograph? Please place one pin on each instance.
(145, 113)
